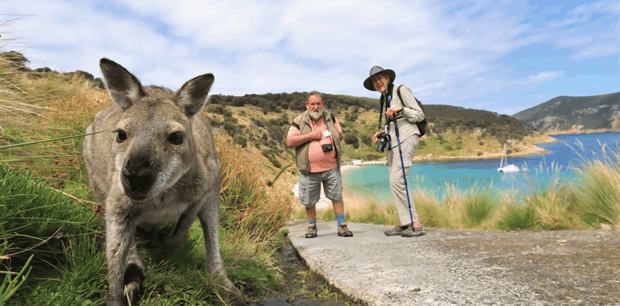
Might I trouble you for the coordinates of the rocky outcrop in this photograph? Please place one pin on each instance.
(18, 62)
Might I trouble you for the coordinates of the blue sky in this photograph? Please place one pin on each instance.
(502, 56)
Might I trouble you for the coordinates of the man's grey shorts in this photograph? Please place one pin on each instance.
(310, 187)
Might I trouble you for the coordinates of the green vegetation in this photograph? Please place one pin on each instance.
(53, 231)
(580, 205)
(264, 121)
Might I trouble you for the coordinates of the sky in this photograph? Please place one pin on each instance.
(501, 56)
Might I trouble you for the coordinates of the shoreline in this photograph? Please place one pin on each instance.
(447, 158)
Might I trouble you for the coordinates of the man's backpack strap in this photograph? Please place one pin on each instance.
(422, 124)
(331, 115)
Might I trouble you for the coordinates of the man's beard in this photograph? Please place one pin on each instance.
(315, 115)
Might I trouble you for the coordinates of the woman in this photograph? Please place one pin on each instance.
(399, 104)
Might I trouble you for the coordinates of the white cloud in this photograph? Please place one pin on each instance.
(596, 51)
(545, 76)
(446, 52)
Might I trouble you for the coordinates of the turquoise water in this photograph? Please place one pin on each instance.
(436, 178)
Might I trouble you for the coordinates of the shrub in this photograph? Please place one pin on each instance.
(215, 109)
(240, 140)
(367, 139)
(229, 127)
(351, 139)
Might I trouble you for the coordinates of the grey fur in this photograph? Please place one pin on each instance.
(146, 177)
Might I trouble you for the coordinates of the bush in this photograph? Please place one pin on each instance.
(275, 162)
(229, 127)
(215, 109)
(351, 139)
(240, 140)
(367, 139)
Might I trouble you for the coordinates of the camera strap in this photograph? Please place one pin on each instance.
(385, 101)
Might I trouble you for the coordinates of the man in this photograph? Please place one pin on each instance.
(316, 136)
(400, 105)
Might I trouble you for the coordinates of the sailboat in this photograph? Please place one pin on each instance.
(504, 166)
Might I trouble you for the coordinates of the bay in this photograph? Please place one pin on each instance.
(437, 178)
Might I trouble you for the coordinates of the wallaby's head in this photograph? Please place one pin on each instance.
(154, 146)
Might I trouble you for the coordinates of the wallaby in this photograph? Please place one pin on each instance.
(156, 164)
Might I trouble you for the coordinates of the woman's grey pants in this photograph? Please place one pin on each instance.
(397, 183)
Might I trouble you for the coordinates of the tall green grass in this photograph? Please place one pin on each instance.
(58, 233)
(599, 200)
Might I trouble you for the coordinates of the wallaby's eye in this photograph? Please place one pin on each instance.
(176, 138)
(121, 136)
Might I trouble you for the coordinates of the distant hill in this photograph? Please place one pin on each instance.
(261, 121)
(575, 113)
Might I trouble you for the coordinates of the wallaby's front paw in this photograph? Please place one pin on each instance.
(133, 292)
(133, 284)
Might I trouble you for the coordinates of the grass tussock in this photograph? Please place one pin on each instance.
(599, 200)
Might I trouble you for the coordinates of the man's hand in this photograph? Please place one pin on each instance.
(375, 137)
(392, 111)
(316, 135)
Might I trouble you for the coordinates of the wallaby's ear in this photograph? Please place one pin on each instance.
(192, 96)
(124, 88)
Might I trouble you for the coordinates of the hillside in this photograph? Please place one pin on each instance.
(574, 114)
(262, 121)
(259, 123)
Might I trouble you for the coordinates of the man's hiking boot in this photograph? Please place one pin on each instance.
(344, 231)
(311, 231)
(396, 230)
(413, 231)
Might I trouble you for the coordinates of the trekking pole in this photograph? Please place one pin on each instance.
(402, 163)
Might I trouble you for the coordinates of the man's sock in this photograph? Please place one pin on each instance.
(340, 219)
(313, 221)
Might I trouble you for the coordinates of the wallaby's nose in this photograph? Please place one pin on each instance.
(138, 178)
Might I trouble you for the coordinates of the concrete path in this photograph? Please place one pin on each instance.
(451, 267)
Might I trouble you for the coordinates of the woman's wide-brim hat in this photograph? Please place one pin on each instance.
(376, 70)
